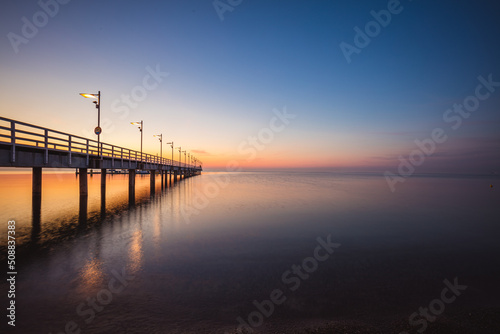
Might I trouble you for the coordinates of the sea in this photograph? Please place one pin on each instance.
(249, 252)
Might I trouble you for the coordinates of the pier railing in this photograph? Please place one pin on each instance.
(21, 134)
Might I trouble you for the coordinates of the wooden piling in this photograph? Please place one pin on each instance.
(103, 178)
(131, 186)
(103, 191)
(36, 204)
(37, 181)
(152, 182)
(84, 191)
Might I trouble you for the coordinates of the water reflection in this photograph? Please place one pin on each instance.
(91, 276)
(236, 249)
(60, 212)
(36, 213)
(82, 212)
(135, 252)
(157, 224)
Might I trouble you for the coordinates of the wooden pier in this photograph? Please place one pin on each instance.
(27, 145)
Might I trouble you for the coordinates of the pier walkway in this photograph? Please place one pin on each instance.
(31, 146)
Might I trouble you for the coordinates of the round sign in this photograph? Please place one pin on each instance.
(97, 130)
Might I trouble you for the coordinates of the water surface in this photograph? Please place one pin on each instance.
(197, 255)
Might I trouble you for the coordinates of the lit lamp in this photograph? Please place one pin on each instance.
(160, 137)
(172, 146)
(98, 129)
(140, 129)
(180, 159)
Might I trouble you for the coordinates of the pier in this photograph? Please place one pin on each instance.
(25, 145)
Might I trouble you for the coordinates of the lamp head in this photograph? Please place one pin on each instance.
(90, 96)
(137, 123)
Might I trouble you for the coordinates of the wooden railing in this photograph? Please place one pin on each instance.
(20, 134)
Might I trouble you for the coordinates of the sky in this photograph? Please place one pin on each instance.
(328, 85)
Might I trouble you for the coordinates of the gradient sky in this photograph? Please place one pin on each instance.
(225, 78)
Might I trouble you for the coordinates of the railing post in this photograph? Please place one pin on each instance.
(69, 148)
(13, 140)
(87, 149)
(46, 146)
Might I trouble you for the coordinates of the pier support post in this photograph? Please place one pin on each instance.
(82, 173)
(162, 179)
(175, 176)
(152, 182)
(37, 182)
(103, 191)
(84, 192)
(131, 186)
(103, 178)
(36, 204)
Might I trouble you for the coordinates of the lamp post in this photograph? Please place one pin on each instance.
(180, 159)
(160, 137)
(172, 146)
(184, 158)
(98, 129)
(141, 123)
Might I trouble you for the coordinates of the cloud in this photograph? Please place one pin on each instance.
(460, 154)
(200, 152)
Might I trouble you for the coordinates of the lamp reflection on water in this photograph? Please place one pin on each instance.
(135, 252)
(90, 276)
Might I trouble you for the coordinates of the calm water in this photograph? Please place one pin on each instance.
(193, 258)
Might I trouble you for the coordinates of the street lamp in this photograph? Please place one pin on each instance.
(160, 137)
(140, 129)
(180, 159)
(98, 129)
(184, 158)
(172, 146)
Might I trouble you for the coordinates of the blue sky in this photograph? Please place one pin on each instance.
(226, 77)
